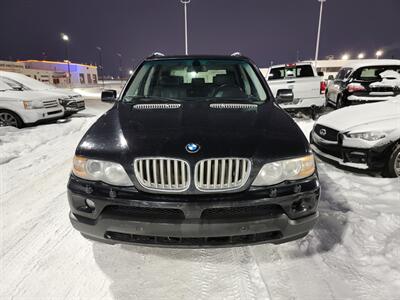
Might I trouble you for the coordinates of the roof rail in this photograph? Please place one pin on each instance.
(156, 54)
(236, 54)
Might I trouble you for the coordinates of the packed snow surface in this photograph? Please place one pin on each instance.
(353, 252)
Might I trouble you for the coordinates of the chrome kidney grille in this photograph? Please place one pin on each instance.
(221, 174)
(162, 174)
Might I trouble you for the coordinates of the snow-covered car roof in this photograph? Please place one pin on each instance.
(27, 81)
(36, 85)
(372, 62)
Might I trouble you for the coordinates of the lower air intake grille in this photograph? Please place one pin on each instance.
(221, 174)
(162, 174)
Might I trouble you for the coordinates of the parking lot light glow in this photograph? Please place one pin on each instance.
(345, 56)
(361, 56)
(379, 53)
(64, 37)
(130, 72)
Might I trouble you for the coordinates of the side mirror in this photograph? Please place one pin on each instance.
(109, 96)
(321, 74)
(330, 77)
(284, 96)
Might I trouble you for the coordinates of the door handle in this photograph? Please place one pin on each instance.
(292, 81)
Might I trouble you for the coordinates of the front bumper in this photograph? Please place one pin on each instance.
(73, 106)
(276, 215)
(358, 158)
(37, 116)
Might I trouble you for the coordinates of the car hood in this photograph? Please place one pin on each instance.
(26, 95)
(265, 132)
(349, 117)
(62, 93)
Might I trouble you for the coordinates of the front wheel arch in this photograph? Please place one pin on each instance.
(394, 151)
(20, 122)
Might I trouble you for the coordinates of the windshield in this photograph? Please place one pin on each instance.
(196, 79)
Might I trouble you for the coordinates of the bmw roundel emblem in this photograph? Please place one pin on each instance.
(192, 148)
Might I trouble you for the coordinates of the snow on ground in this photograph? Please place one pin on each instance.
(353, 252)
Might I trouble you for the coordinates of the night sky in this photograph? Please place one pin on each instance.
(265, 30)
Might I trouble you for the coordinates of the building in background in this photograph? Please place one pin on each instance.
(54, 72)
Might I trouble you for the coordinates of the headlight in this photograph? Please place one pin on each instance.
(36, 104)
(368, 136)
(291, 169)
(63, 101)
(98, 170)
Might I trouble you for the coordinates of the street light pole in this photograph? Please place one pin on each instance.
(65, 38)
(319, 32)
(185, 3)
(101, 64)
(120, 66)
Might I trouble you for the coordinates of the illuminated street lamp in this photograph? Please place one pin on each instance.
(319, 31)
(379, 53)
(345, 56)
(185, 3)
(361, 56)
(130, 72)
(65, 38)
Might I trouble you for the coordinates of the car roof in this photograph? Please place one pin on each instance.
(198, 56)
(372, 62)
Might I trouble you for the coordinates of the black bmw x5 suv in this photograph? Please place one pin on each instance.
(194, 153)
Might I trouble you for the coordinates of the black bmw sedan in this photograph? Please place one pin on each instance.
(194, 153)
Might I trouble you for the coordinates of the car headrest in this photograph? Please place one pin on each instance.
(198, 81)
(170, 80)
(228, 78)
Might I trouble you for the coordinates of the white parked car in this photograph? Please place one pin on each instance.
(303, 79)
(19, 108)
(362, 136)
(72, 102)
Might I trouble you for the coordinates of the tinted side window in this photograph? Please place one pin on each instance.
(343, 73)
(304, 71)
(276, 73)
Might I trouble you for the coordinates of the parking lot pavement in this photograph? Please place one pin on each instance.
(352, 253)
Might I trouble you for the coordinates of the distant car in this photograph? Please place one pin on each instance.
(363, 137)
(307, 85)
(71, 101)
(19, 108)
(354, 83)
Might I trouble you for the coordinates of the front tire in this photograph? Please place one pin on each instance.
(393, 165)
(8, 118)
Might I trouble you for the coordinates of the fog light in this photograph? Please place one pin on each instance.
(299, 206)
(90, 203)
